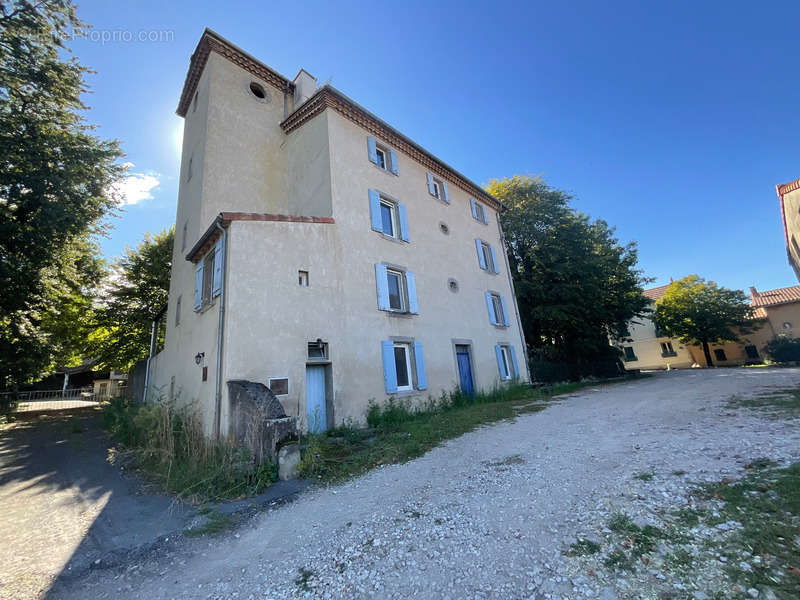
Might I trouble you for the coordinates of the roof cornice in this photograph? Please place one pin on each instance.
(211, 41)
(329, 97)
(788, 187)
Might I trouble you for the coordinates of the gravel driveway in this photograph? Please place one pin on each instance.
(487, 515)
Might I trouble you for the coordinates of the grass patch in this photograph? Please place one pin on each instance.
(399, 432)
(646, 476)
(767, 504)
(778, 405)
(215, 523)
(171, 448)
(303, 579)
(637, 540)
(583, 547)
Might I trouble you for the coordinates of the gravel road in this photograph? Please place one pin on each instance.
(487, 515)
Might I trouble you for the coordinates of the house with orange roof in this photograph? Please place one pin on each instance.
(775, 312)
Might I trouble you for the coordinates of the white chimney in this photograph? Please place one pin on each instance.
(304, 86)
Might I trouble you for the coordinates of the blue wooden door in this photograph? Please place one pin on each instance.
(315, 399)
(464, 371)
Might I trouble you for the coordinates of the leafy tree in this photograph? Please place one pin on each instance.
(136, 292)
(576, 285)
(54, 177)
(700, 312)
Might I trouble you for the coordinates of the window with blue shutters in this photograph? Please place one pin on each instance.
(403, 366)
(209, 274)
(496, 305)
(487, 258)
(438, 188)
(506, 361)
(388, 216)
(478, 211)
(382, 156)
(397, 290)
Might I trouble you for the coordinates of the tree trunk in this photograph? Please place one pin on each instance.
(707, 352)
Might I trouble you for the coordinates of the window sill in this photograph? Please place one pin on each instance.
(382, 170)
(390, 238)
(406, 393)
(206, 307)
(439, 199)
(498, 326)
(488, 272)
(668, 354)
(479, 221)
(397, 313)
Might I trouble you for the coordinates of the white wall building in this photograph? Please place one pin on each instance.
(321, 252)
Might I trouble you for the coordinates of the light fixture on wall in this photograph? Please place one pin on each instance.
(198, 358)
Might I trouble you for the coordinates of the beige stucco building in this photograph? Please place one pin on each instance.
(324, 254)
(789, 195)
(774, 312)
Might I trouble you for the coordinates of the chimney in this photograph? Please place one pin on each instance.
(304, 86)
(753, 292)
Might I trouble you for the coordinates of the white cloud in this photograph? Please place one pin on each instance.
(135, 187)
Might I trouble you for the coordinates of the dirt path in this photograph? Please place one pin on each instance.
(487, 515)
(64, 505)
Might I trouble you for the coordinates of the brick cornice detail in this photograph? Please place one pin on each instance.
(326, 98)
(789, 187)
(227, 217)
(211, 42)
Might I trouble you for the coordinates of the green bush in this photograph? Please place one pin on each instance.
(783, 349)
(171, 446)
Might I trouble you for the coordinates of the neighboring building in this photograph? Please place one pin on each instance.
(324, 254)
(109, 385)
(646, 347)
(775, 312)
(789, 195)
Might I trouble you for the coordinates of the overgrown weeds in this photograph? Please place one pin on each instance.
(777, 405)
(171, 447)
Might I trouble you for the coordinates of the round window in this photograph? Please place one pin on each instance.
(444, 228)
(258, 91)
(452, 285)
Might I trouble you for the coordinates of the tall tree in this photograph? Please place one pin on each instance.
(136, 292)
(700, 312)
(576, 285)
(54, 180)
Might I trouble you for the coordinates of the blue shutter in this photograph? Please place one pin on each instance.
(481, 259)
(219, 260)
(389, 370)
(505, 313)
(494, 260)
(383, 286)
(499, 353)
(198, 286)
(485, 215)
(419, 360)
(515, 374)
(411, 288)
(490, 306)
(394, 161)
(446, 197)
(372, 150)
(403, 218)
(473, 208)
(375, 210)
(430, 185)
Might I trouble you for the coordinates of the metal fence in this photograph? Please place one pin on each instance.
(36, 400)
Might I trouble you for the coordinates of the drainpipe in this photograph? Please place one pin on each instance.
(218, 396)
(503, 249)
(149, 356)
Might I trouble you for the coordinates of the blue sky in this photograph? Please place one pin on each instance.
(673, 121)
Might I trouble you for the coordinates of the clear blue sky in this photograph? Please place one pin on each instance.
(672, 121)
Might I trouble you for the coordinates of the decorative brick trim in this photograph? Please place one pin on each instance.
(788, 187)
(211, 41)
(227, 217)
(328, 97)
(211, 235)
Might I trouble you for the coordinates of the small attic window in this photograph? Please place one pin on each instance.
(258, 90)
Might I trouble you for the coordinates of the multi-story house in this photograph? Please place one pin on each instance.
(321, 252)
(789, 195)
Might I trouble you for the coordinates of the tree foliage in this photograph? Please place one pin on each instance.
(135, 294)
(54, 177)
(701, 312)
(576, 285)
